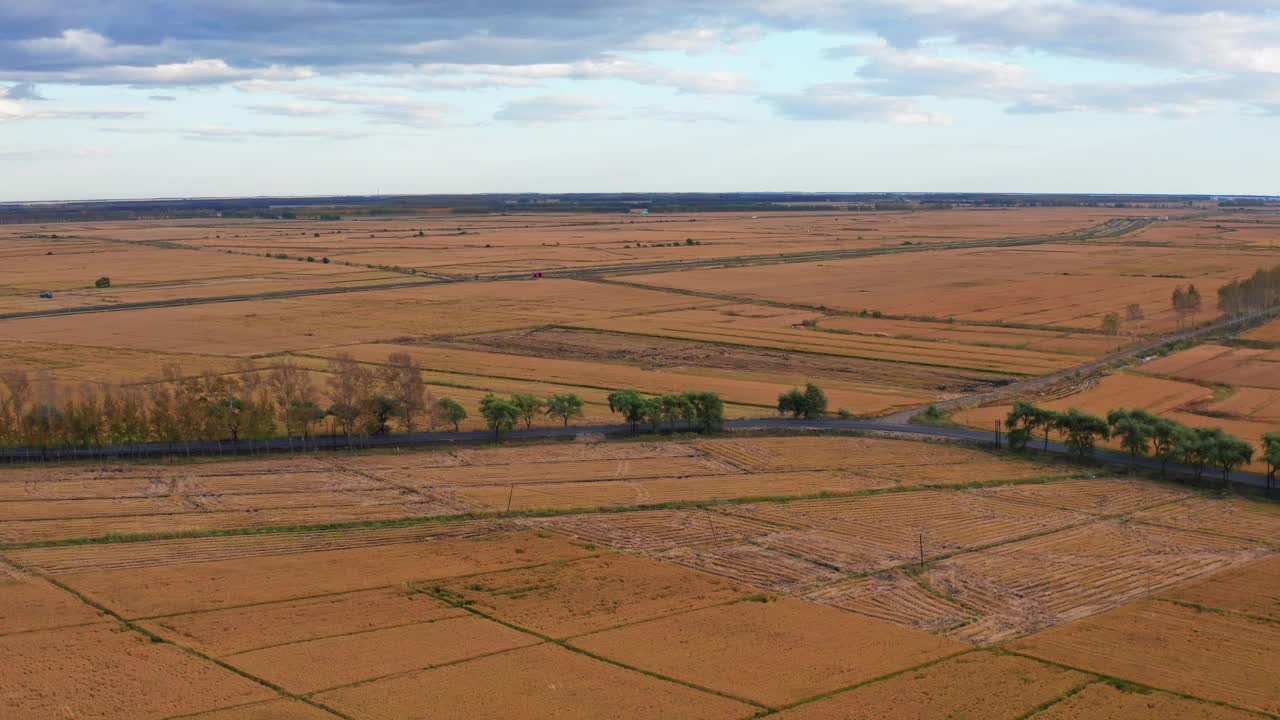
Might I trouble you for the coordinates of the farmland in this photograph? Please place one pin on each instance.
(768, 573)
(641, 577)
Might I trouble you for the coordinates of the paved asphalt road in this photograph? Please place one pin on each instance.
(245, 447)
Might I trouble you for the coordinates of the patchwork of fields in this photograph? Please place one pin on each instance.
(633, 579)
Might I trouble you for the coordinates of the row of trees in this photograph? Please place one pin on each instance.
(1140, 433)
(249, 403)
(696, 409)
(503, 414)
(1257, 293)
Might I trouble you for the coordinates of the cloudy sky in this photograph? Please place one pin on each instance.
(141, 98)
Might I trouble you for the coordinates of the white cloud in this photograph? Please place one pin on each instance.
(848, 102)
(550, 109)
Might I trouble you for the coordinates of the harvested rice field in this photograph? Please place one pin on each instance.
(658, 605)
(778, 569)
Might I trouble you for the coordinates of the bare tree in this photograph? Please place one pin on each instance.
(402, 381)
(350, 385)
(293, 389)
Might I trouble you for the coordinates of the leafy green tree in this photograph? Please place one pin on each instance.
(228, 413)
(529, 407)
(630, 404)
(378, 411)
(499, 414)
(1133, 431)
(676, 408)
(451, 411)
(1194, 447)
(302, 415)
(565, 407)
(1228, 452)
(708, 410)
(1024, 419)
(1081, 431)
(809, 403)
(1165, 434)
(1271, 455)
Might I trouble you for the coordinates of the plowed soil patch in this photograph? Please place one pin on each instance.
(758, 566)
(1096, 496)
(879, 531)
(170, 589)
(226, 632)
(534, 683)
(105, 671)
(1025, 586)
(1101, 701)
(893, 597)
(772, 652)
(1227, 658)
(1252, 589)
(1236, 517)
(564, 599)
(655, 530)
(331, 662)
(976, 685)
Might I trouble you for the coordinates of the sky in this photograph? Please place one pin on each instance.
(183, 98)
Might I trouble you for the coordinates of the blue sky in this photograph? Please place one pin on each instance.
(146, 98)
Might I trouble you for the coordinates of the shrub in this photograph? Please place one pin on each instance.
(102, 282)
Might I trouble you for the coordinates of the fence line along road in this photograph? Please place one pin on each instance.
(407, 440)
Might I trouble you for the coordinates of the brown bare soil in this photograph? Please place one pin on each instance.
(537, 682)
(775, 653)
(565, 599)
(976, 685)
(1213, 656)
(655, 529)
(1101, 701)
(1096, 496)
(1234, 517)
(893, 597)
(1025, 586)
(227, 632)
(105, 671)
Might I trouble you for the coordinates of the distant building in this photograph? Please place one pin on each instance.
(639, 211)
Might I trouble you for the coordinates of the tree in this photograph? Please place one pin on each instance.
(629, 404)
(17, 387)
(1165, 434)
(528, 405)
(1133, 431)
(302, 415)
(294, 391)
(228, 413)
(1081, 431)
(451, 411)
(1193, 299)
(1180, 304)
(809, 403)
(1271, 455)
(1227, 452)
(350, 384)
(1024, 419)
(1111, 324)
(499, 414)
(675, 408)
(708, 410)
(565, 407)
(378, 411)
(1193, 446)
(402, 380)
(1134, 316)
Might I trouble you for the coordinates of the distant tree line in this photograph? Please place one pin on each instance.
(1255, 294)
(247, 404)
(1140, 433)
